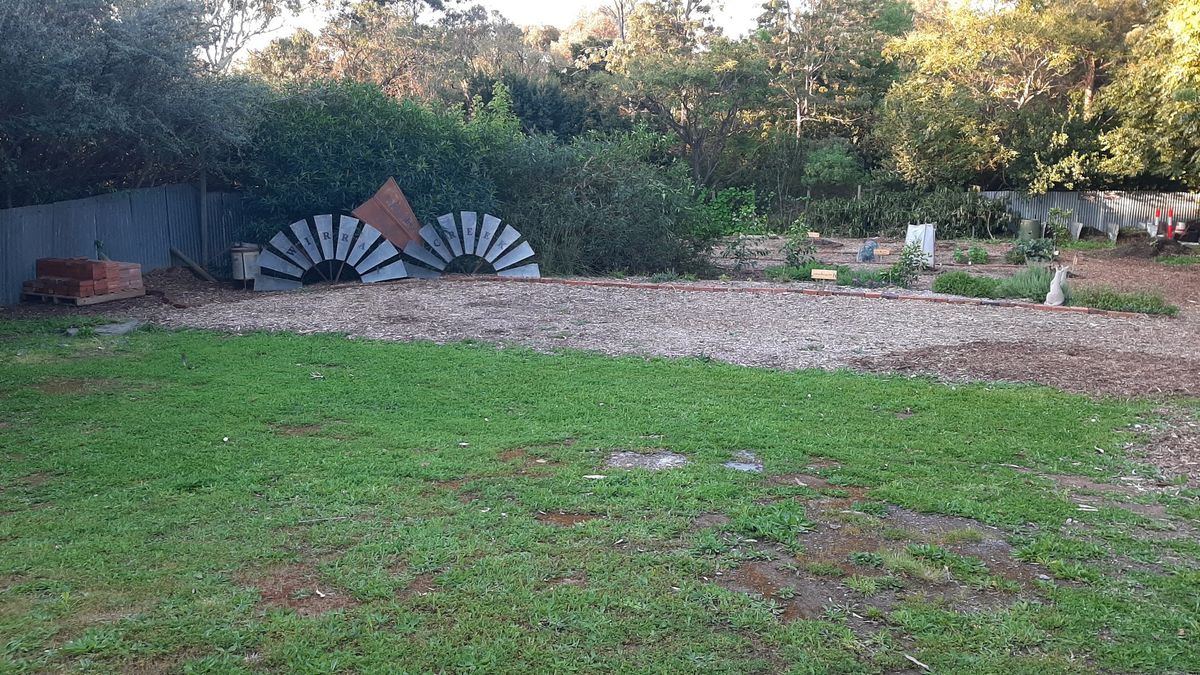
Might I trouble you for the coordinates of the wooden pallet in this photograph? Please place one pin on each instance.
(79, 302)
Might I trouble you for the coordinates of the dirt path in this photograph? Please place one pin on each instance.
(1089, 354)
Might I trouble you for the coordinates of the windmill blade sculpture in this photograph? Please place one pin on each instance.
(384, 241)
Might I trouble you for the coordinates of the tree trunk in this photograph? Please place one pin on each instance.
(1089, 87)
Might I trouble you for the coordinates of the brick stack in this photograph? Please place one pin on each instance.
(83, 278)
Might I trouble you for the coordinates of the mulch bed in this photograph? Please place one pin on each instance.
(1074, 368)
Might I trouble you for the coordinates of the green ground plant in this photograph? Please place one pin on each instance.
(1110, 299)
(205, 502)
(1032, 250)
(1033, 283)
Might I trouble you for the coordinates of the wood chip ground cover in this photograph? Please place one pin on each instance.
(440, 518)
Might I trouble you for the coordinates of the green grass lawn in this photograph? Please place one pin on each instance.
(193, 501)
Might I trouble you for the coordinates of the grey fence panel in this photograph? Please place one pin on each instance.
(8, 262)
(74, 229)
(135, 226)
(150, 232)
(1104, 211)
(183, 218)
(226, 224)
(114, 228)
(30, 236)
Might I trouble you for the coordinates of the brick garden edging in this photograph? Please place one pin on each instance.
(876, 295)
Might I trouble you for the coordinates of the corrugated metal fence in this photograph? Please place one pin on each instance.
(133, 226)
(1104, 211)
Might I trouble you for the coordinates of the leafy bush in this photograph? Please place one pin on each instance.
(799, 250)
(907, 267)
(969, 285)
(327, 146)
(1031, 250)
(957, 214)
(1057, 224)
(600, 204)
(728, 212)
(1107, 298)
(978, 255)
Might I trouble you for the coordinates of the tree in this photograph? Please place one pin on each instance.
(992, 97)
(102, 95)
(1156, 98)
(431, 61)
(702, 97)
(619, 11)
(234, 23)
(826, 59)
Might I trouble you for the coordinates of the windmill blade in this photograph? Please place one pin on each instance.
(527, 271)
(433, 240)
(269, 260)
(389, 272)
(383, 252)
(450, 231)
(417, 251)
(324, 225)
(522, 252)
(491, 224)
(365, 241)
(281, 243)
(346, 229)
(469, 228)
(304, 236)
(268, 283)
(507, 237)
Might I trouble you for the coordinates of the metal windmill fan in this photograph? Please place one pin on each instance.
(383, 241)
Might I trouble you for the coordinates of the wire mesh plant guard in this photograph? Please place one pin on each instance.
(383, 240)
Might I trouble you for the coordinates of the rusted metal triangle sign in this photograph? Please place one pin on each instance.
(388, 211)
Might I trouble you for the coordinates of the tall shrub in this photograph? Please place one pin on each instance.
(328, 145)
(600, 204)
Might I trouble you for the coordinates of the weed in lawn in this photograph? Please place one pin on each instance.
(823, 569)
(780, 522)
(877, 509)
(866, 559)
(902, 562)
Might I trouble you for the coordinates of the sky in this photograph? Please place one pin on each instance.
(736, 17)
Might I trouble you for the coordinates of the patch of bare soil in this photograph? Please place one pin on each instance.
(806, 585)
(565, 519)
(707, 520)
(528, 463)
(297, 429)
(801, 596)
(298, 587)
(1173, 444)
(1178, 283)
(71, 386)
(578, 579)
(1079, 369)
(37, 480)
(422, 584)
